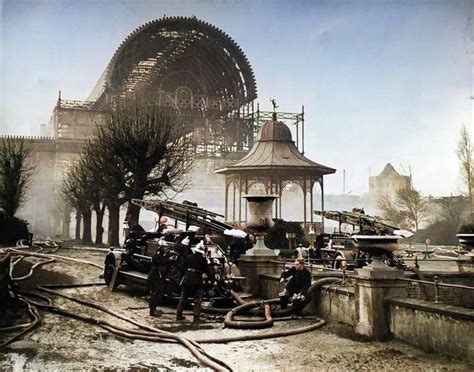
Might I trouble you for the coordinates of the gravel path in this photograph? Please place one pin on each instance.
(66, 344)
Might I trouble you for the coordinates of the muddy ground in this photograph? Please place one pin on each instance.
(61, 343)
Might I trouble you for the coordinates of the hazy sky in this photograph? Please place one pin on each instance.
(381, 81)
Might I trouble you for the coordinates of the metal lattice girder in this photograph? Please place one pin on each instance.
(173, 51)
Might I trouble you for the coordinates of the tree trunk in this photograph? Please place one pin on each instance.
(99, 230)
(66, 224)
(114, 222)
(86, 229)
(78, 225)
(471, 216)
(133, 211)
(133, 214)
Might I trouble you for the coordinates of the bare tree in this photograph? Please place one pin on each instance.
(410, 202)
(390, 211)
(453, 209)
(464, 153)
(109, 177)
(16, 171)
(92, 192)
(75, 188)
(139, 151)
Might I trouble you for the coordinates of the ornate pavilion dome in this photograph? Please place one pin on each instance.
(274, 161)
(275, 151)
(274, 131)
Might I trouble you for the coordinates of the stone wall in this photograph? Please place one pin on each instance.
(270, 285)
(435, 327)
(337, 303)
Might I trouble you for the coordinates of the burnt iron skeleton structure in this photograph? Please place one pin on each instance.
(181, 63)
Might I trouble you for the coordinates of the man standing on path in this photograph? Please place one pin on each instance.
(195, 265)
(160, 264)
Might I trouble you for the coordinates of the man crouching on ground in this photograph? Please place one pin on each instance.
(298, 284)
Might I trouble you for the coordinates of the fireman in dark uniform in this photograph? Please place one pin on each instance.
(195, 265)
(183, 247)
(298, 285)
(160, 264)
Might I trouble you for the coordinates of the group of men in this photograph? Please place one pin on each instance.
(191, 267)
(194, 264)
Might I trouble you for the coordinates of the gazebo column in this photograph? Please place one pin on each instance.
(311, 200)
(246, 192)
(321, 184)
(226, 199)
(304, 202)
(280, 193)
(274, 191)
(233, 199)
(240, 200)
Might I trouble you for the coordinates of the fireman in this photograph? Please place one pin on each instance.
(195, 265)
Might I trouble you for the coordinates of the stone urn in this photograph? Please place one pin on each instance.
(466, 241)
(260, 220)
(377, 246)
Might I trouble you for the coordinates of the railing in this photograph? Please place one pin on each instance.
(437, 284)
(311, 266)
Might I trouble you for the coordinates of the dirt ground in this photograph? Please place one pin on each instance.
(61, 343)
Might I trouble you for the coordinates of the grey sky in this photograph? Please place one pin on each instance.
(381, 81)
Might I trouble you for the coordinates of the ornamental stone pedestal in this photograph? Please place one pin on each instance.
(374, 284)
(259, 259)
(251, 267)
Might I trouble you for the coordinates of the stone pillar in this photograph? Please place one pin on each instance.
(373, 287)
(252, 266)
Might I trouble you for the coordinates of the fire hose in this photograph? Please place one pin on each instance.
(231, 323)
(36, 319)
(155, 334)
(158, 335)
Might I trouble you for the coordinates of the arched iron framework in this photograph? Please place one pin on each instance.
(193, 66)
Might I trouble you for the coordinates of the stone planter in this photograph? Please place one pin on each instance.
(260, 220)
(260, 211)
(377, 246)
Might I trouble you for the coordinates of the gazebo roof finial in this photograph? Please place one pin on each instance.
(275, 106)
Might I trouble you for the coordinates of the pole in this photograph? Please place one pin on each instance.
(302, 128)
(343, 182)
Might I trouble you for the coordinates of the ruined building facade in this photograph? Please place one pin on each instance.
(179, 62)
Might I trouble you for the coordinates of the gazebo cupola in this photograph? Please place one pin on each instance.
(273, 162)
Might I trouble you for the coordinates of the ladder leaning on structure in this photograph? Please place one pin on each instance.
(187, 213)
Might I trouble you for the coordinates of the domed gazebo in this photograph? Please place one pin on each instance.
(273, 161)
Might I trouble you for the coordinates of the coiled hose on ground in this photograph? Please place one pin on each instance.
(158, 335)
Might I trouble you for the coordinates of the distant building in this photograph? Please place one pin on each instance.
(388, 182)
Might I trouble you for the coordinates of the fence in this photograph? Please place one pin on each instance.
(438, 291)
